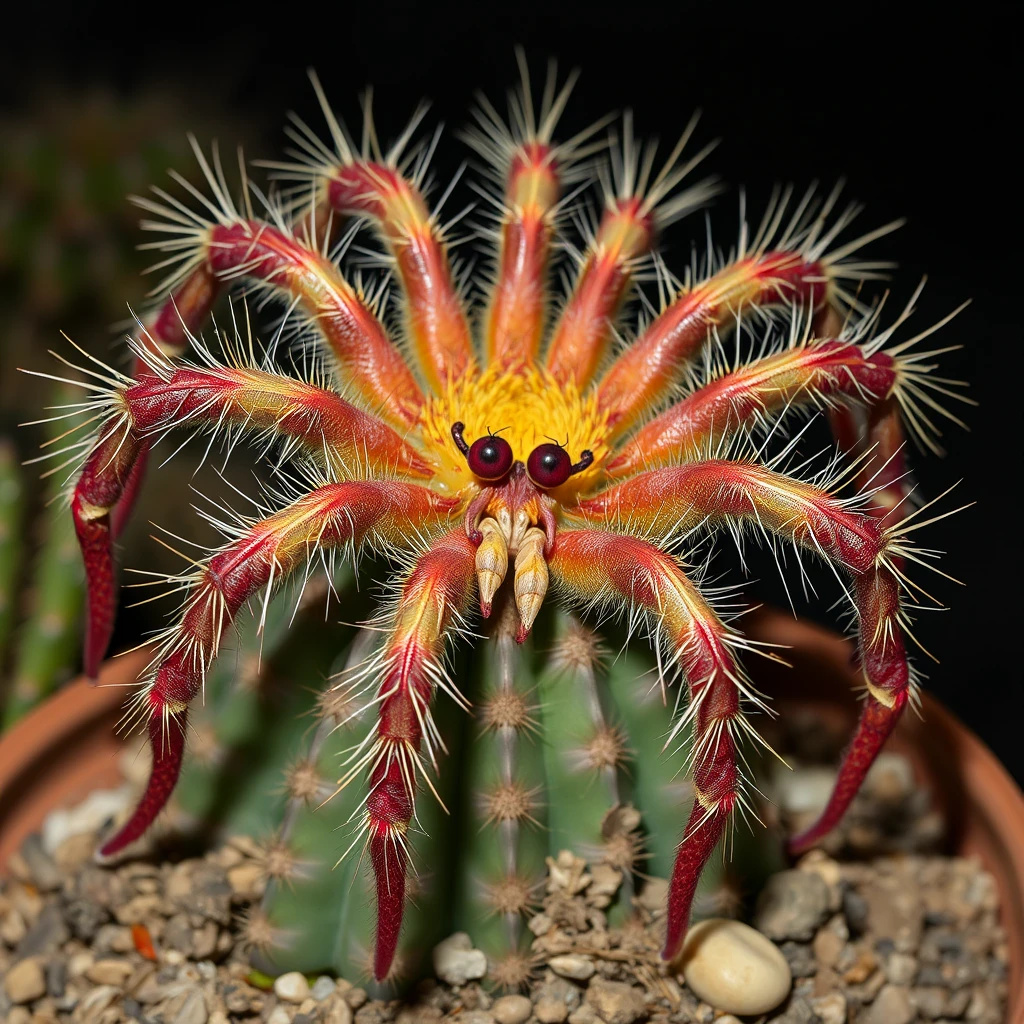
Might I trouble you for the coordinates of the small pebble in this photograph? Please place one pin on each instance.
(550, 1011)
(579, 968)
(792, 905)
(830, 1008)
(892, 1005)
(25, 981)
(456, 961)
(615, 1002)
(511, 1010)
(291, 987)
(322, 988)
(109, 972)
(193, 1009)
(734, 968)
(338, 1012)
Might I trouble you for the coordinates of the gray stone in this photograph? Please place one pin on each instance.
(322, 988)
(46, 936)
(798, 1011)
(792, 906)
(201, 888)
(85, 918)
(56, 977)
(892, 1005)
(800, 958)
(45, 874)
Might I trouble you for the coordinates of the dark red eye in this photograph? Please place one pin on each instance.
(549, 465)
(490, 457)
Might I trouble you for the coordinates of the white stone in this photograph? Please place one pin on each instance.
(456, 961)
(579, 968)
(88, 817)
(291, 987)
(322, 988)
(511, 1010)
(734, 968)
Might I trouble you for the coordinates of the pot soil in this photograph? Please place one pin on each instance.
(67, 748)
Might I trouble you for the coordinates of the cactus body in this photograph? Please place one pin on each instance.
(547, 760)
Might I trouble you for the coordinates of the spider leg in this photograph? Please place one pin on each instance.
(821, 372)
(260, 557)
(217, 398)
(363, 181)
(635, 208)
(514, 321)
(671, 502)
(796, 265)
(648, 370)
(601, 568)
(434, 595)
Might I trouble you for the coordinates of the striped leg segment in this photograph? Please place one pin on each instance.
(635, 209)
(599, 567)
(166, 397)
(330, 517)
(820, 373)
(647, 371)
(438, 589)
(515, 315)
(436, 321)
(670, 502)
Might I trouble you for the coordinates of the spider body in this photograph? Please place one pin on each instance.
(446, 450)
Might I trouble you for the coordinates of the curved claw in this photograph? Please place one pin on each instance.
(703, 831)
(167, 741)
(390, 864)
(877, 721)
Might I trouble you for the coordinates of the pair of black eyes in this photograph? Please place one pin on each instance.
(491, 457)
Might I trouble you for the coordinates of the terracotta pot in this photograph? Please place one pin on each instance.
(68, 747)
(57, 755)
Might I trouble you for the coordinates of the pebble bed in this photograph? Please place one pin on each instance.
(891, 941)
(848, 936)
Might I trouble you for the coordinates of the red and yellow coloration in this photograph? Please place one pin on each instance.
(599, 485)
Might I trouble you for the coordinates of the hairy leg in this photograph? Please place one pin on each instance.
(670, 502)
(167, 397)
(600, 567)
(635, 209)
(437, 590)
(330, 517)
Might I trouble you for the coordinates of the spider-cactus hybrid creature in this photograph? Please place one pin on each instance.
(523, 447)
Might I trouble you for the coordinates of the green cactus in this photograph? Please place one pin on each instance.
(545, 761)
(41, 593)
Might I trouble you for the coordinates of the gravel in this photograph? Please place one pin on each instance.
(898, 937)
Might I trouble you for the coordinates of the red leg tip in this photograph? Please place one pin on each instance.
(101, 585)
(167, 741)
(876, 723)
(703, 831)
(389, 867)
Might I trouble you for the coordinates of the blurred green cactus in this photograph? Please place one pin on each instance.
(41, 587)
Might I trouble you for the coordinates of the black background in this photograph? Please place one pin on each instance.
(917, 111)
